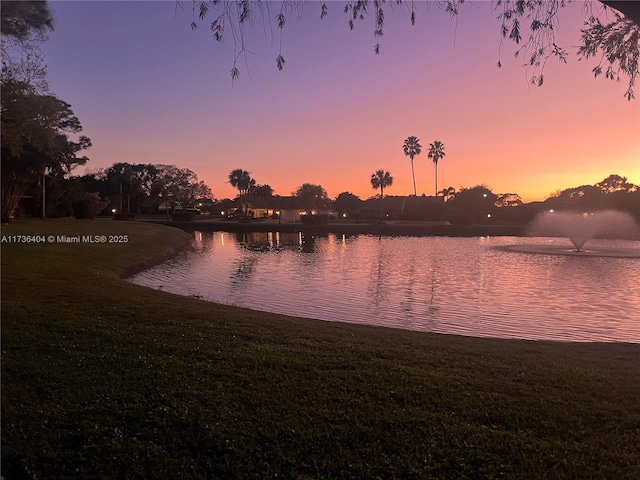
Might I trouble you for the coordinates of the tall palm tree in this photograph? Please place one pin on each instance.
(436, 152)
(243, 182)
(412, 148)
(381, 179)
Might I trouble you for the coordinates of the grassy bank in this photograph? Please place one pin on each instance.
(104, 379)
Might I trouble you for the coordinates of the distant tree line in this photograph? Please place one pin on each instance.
(147, 188)
(466, 205)
(614, 192)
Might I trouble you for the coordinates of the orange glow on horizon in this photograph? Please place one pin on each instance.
(338, 113)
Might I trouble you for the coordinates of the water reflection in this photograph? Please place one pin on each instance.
(307, 243)
(273, 241)
(468, 286)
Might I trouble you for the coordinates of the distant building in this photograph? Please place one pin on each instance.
(398, 207)
(286, 209)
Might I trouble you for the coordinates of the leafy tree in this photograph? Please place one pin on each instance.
(22, 19)
(347, 202)
(262, 190)
(35, 139)
(119, 178)
(476, 200)
(178, 186)
(61, 195)
(580, 192)
(508, 200)
(312, 196)
(29, 69)
(142, 177)
(134, 182)
(617, 41)
(23, 25)
(195, 191)
(94, 182)
(411, 148)
(147, 186)
(436, 152)
(614, 192)
(381, 179)
(616, 183)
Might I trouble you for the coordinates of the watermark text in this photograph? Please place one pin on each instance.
(35, 239)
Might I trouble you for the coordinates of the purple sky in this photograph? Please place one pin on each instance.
(148, 89)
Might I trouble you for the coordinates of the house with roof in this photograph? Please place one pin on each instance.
(286, 209)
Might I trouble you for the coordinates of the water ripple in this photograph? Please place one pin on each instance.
(464, 286)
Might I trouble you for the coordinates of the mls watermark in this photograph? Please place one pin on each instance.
(35, 239)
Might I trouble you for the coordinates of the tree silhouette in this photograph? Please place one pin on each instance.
(347, 201)
(448, 193)
(312, 196)
(411, 148)
(381, 179)
(20, 20)
(244, 183)
(37, 135)
(478, 200)
(436, 152)
(262, 190)
(616, 183)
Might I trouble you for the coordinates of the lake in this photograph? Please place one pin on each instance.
(465, 286)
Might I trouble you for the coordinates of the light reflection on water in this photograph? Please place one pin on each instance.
(465, 286)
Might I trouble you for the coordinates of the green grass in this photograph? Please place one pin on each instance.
(104, 379)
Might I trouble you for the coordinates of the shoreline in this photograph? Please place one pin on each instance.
(111, 373)
(148, 263)
(390, 229)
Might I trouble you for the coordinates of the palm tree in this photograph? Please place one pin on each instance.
(436, 152)
(381, 179)
(448, 193)
(412, 148)
(243, 182)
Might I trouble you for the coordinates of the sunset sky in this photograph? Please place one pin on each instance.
(148, 89)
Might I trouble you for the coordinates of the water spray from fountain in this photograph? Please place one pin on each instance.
(580, 227)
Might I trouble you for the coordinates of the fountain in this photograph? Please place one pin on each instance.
(617, 230)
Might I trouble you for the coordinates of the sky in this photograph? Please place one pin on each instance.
(148, 89)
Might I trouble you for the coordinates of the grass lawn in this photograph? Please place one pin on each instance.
(104, 379)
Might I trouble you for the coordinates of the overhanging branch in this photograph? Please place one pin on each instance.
(631, 10)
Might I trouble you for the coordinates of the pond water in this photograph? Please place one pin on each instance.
(480, 287)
